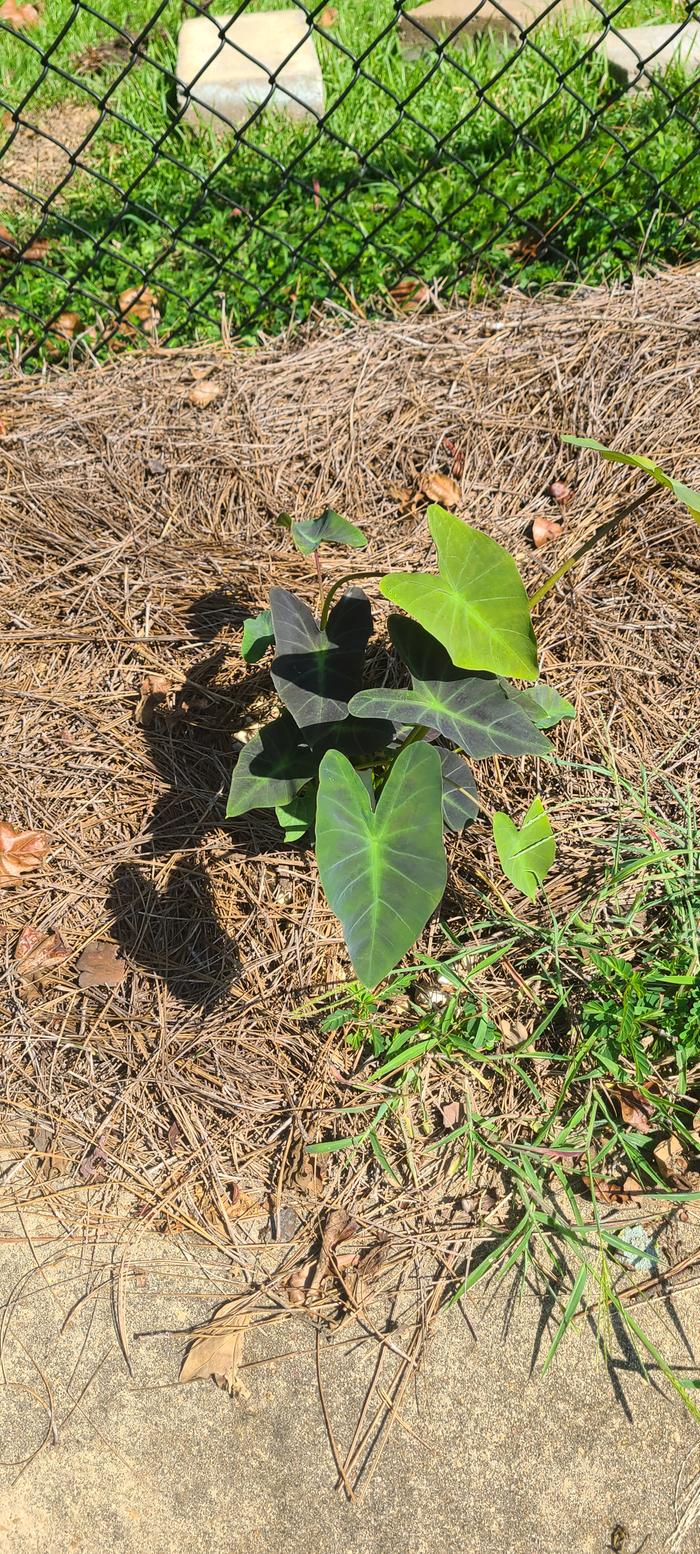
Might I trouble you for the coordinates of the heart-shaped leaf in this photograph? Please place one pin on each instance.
(541, 704)
(690, 499)
(384, 869)
(258, 636)
(527, 854)
(271, 768)
(477, 605)
(316, 672)
(329, 529)
(471, 710)
(460, 801)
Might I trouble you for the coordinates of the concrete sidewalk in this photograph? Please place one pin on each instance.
(488, 1459)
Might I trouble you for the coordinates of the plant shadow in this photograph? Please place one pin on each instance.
(167, 920)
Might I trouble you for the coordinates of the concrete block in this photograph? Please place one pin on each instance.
(653, 47)
(439, 19)
(229, 65)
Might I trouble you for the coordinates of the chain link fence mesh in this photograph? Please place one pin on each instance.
(364, 155)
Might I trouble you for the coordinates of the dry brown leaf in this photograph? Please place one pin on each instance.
(410, 294)
(217, 1350)
(635, 1109)
(338, 1228)
(19, 15)
(450, 1115)
(20, 852)
(38, 249)
(139, 304)
(561, 492)
(8, 245)
(545, 531)
(155, 690)
(101, 965)
(402, 494)
(204, 393)
(440, 488)
(37, 949)
(618, 1192)
(672, 1161)
(155, 685)
(66, 325)
(329, 16)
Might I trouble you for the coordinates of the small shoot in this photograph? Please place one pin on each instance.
(258, 636)
(526, 855)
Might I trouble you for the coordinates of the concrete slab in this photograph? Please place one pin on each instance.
(460, 20)
(486, 1459)
(633, 53)
(226, 68)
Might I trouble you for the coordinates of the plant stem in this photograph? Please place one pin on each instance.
(598, 534)
(349, 577)
(319, 574)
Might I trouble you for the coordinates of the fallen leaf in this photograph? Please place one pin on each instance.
(20, 852)
(338, 1228)
(545, 531)
(617, 1192)
(139, 305)
(216, 1350)
(440, 488)
(6, 241)
(155, 685)
(672, 1161)
(329, 16)
(410, 294)
(101, 965)
(37, 949)
(450, 1114)
(155, 690)
(560, 492)
(66, 325)
(94, 1163)
(38, 248)
(402, 494)
(204, 393)
(635, 1109)
(19, 15)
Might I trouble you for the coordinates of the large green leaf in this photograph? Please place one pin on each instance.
(271, 768)
(258, 636)
(476, 606)
(316, 672)
(541, 704)
(384, 869)
(329, 529)
(460, 801)
(690, 499)
(527, 854)
(471, 710)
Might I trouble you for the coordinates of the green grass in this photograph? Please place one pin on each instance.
(290, 215)
(612, 999)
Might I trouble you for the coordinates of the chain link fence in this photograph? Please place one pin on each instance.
(158, 180)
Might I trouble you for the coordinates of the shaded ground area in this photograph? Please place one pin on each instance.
(485, 1458)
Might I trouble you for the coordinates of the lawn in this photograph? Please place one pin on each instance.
(435, 167)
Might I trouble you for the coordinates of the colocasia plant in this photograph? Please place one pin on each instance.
(378, 774)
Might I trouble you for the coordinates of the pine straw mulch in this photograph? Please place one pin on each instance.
(138, 531)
